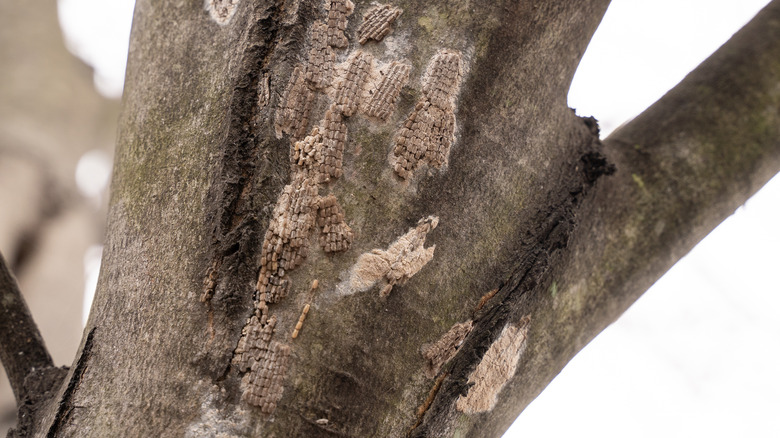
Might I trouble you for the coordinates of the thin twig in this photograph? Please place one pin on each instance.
(22, 350)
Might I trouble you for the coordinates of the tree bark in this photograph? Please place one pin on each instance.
(542, 234)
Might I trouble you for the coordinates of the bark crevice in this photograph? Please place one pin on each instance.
(65, 404)
(557, 223)
(239, 189)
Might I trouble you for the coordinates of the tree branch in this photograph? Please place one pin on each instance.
(696, 155)
(517, 215)
(22, 350)
(683, 166)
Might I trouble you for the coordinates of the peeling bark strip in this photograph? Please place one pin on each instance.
(221, 10)
(429, 132)
(497, 366)
(338, 11)
(404, 258)
(383, 98)
(440, 352)
(376, 23)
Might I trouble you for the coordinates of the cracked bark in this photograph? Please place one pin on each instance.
(529, 197)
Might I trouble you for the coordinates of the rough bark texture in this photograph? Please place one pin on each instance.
(542, 234)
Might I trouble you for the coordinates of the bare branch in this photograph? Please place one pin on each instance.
(22, 350)
(683, 166)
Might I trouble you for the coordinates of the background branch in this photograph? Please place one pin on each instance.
(22, 350)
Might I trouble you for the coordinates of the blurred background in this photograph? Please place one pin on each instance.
(697, 355)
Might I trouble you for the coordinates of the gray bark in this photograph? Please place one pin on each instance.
(545, 235)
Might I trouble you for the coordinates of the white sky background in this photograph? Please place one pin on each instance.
(698, 354)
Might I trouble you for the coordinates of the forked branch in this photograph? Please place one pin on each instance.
(22, 350)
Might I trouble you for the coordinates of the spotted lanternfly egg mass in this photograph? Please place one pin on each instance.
(359, 85)
(385, 95)
(293, 116)
(335, 234)
(348, 89)
(338, 11)
(377, 23)
(321, 58)
(429, 131)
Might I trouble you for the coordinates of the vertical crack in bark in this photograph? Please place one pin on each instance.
(441, 351)
(66, 401)
(501, 309)
(231, 220)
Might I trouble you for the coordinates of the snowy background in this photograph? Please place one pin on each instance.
(708, 366)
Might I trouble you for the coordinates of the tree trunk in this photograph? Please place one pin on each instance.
(471, 237)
